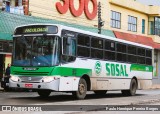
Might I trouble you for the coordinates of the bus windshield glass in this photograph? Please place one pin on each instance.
(36, 51)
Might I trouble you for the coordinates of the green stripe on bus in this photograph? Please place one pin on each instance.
(50, 71)
(136, 67)
(31, 71)
(65, 71)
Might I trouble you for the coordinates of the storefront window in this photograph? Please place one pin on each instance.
(143, 26)
(6, 47)
(115, 19)
(132, 23)
(157, 26)
(151, 27)
(7, 6)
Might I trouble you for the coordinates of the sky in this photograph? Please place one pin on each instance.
(150, 2)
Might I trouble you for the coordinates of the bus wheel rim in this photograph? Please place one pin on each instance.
(81, 88)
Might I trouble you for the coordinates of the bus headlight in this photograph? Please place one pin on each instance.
(14, 78)
(48, 79)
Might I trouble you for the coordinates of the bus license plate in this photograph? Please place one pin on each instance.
(28, 85)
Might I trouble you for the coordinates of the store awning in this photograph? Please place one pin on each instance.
(137, 39)
(5, 36)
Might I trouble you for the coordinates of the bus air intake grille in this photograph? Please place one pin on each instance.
(31, 73)
(33, 79)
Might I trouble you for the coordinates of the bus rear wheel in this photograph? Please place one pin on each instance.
(132, 90)
(82, 90)
(44, 93)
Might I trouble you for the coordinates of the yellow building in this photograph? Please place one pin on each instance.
(127, 16)
(126, 8)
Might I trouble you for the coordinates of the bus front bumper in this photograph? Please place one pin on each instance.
(59, 84)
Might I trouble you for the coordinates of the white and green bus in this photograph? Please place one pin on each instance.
(50, 57)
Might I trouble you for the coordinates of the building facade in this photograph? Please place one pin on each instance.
(124, 19)
(8, 6)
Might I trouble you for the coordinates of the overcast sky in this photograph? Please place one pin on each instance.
(150, 2)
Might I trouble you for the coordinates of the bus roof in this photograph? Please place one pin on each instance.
(91, 34)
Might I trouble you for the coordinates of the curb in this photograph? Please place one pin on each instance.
(155, 86)
(1, 89)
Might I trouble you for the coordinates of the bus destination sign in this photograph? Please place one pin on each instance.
(36, 29)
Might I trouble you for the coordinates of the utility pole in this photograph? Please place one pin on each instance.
(100, 22)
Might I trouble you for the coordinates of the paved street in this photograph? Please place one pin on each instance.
(143, 97)
(58, 98)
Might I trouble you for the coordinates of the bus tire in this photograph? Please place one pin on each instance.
(44, 93)
(132, 90)
(82, 90)
(100, 92)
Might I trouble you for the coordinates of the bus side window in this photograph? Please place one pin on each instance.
(69, 46)
(69, 49)
(97, 48)
(83, 48)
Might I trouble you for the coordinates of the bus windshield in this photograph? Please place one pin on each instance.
(36, 51)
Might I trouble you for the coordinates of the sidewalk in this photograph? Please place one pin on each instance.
(1, 89)
(155, 86)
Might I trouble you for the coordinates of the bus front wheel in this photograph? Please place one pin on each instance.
(44, 93)
(132, 90)
(82, 89)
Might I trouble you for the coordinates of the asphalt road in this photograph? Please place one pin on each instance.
(63, 100)
(58, 98)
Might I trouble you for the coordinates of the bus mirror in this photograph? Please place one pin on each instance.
(68, 58)
(69, 40)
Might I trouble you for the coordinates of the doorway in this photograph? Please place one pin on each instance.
(2, 65)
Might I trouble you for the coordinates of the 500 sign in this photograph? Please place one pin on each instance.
(83, 6)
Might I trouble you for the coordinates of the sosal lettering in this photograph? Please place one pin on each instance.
(83, 6)
(116, 70)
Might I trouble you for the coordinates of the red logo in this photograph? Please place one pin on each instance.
(83, 7)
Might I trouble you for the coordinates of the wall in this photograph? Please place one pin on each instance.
(47, 9)
(1, 4)
(156, 80)
(124, 20)
(12, 3)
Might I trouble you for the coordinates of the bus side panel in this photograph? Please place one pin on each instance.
(144, 84)
(144, 79)
(68, 84)
(109, 84)
(105, 75)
